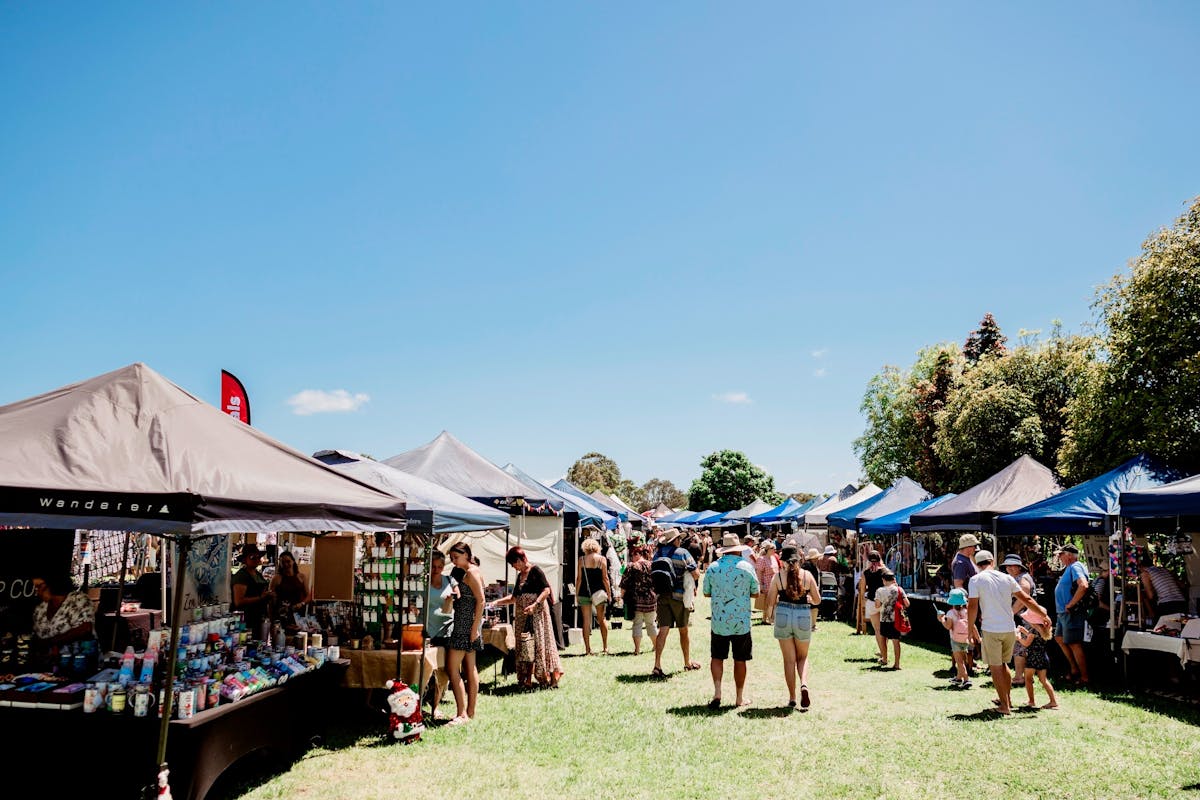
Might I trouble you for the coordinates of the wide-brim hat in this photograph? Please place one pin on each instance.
(1014, 560)
(789, 555)
(813, 553)
(957, 598)
(730, 543)
(1067, 548)
(830, 550)
(968, 540)
(672, 535)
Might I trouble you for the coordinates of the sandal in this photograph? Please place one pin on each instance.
(657, 673)
(715, 703)
(691, 666)
(804, 699)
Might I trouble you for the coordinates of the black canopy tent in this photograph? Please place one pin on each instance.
(129, 450)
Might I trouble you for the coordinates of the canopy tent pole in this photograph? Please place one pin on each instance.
(184, 545)
(120, 591)
(1110, 523)
(425, 610)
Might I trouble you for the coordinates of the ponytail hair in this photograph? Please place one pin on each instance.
(794, 591)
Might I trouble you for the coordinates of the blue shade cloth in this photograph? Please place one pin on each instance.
(1021, 483)
(1181, 498)
(671, 518)
(787, 510)
(707, 518)
(568, 489)
(588, 513)
(430, 507)
(903, 493)
(691, 519)
(898, 521)
(1083, 508)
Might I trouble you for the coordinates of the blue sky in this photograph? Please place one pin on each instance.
(652, 230)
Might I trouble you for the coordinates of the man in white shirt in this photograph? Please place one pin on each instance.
(989, 599)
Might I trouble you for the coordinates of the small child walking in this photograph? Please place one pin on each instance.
(955, 621)
(1037, 661)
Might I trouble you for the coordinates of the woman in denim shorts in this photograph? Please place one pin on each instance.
(791, 598)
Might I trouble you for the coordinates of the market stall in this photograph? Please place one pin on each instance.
(131, 451)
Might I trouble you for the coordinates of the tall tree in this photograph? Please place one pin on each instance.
(1145, 395)
(984, 341)
(728, 481)
(631, 494)
(595, 471)
(936, 375)
(889, 447)
(661, 490)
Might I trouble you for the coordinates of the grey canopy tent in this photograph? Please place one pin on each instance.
(453, 465)
(1022, 482)
(129, 450)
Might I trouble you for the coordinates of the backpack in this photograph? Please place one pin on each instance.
(662, 574)
(900, 618)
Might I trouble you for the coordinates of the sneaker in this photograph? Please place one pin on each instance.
(965, 685)
(955, 683)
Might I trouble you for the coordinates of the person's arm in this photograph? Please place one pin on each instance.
(772, 593)
(1024, 636)
(972, 613)
(1081, 587)
(1030, 603)
(814, 592)
(903, 596)
(944, 618)
(476, 583)
(607, 584)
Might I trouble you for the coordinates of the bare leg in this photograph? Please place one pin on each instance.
(1081, 660)
(960, 665)
(1069, 653)
(801, 650)
(1019, 669)
(685, 645)
(717, 667)
(602, 621)
(637, 645)
(1003, 683)
(896, 651)
(454, 660)
(587, 630)
(739, 680)
(880, 642)
(1045, 679)
(472, 682)
(789, 667)
(660, 642)
(1029, 686)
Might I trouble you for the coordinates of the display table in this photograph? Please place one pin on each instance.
(120, 750)
(372, 669)
(1186, 650)
(500, 637)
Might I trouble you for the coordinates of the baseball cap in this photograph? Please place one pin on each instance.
(983, 555)
(1067, 548)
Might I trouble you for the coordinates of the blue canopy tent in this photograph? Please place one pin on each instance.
(567, 489)
(670, 519)
(706, 518)
(1087, 507)
(691, 518)
(589, 514)
(903, 493)
(897, 521)
(1178, 499)
(787, 511)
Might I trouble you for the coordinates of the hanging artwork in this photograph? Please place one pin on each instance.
(207, 578)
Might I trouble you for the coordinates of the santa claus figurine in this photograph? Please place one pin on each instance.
(404, 713)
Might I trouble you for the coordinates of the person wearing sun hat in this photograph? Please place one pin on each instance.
(732, 584)
(1013, 565)
(955, 621)
(962, 569)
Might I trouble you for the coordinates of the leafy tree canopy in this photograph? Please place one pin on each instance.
(984, 341)
(1145, 395)
(728, 481)
(595, 471)
(660, 490)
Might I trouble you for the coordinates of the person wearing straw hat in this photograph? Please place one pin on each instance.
(1013, 565)
(962, 569)
(671, 612)
(731, 584)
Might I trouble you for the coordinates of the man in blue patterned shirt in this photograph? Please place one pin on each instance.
(732, 585)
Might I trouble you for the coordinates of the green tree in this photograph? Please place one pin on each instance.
(984, 341)
(889, 446)
(631, 494)
(661, 490)
(1145, 395)
(801, 497)
(1011, 405)
(595, 471)
(728, 480)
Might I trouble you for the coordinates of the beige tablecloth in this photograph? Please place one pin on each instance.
(500, 637)
(372, 669)
(1184, 649)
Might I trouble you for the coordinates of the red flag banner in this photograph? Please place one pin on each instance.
(234, 400)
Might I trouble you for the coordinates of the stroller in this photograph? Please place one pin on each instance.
(830, 596)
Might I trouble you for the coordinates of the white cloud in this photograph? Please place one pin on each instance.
(820, 372)
(733, 398)
(318, 401)
(821, 353)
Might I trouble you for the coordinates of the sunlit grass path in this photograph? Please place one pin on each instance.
(613, 732)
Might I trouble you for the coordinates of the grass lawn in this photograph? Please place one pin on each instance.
(612, 731)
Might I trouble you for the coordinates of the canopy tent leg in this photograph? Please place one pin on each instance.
(425, 612)
(184, 545)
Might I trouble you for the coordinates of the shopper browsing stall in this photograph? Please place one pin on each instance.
(531, 598)
(64, 616)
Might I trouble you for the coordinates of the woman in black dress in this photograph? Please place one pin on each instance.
(466, 639)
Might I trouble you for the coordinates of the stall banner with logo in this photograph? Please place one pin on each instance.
(234, 400)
